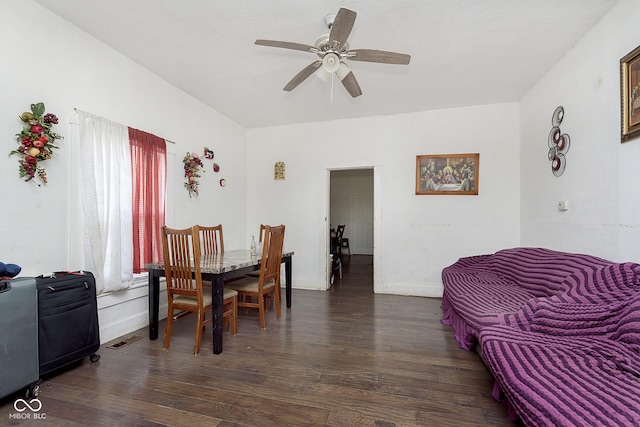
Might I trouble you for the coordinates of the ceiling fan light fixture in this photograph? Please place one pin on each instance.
(342, 71)
(331, 62)
(322, 74)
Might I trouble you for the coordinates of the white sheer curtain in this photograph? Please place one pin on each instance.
(105, 173)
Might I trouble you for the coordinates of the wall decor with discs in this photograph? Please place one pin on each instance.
(559, 143)
(209, 154)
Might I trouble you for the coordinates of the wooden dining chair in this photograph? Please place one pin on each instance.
(268, 282)
(212, 239)
(212, 242)
(185, 292)
(339, 235)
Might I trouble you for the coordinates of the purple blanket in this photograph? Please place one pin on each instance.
(479, 290)
(604, 285)
(559, 331)
(577, 364)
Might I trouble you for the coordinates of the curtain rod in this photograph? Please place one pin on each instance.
(100, 117)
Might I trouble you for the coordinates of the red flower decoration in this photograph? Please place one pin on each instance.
(36, 142)
(192, 165)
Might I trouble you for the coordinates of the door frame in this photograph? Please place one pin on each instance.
(325, 222)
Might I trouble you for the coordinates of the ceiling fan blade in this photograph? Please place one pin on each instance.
(342, 26)
(287, 45)
(351, 84)
(382, 56)
(302, 75)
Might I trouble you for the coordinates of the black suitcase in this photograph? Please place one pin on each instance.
(67, 319)
(19, 337)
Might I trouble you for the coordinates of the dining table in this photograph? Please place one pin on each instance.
(215, 268)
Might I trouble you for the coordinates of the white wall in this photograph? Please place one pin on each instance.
(601, 178)
(418, 235)
(45, 59)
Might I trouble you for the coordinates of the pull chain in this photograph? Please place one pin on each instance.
(332, 88)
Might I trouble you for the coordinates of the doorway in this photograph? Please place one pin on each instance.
(351, 203)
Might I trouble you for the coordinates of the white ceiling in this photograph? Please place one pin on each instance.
(463, 52)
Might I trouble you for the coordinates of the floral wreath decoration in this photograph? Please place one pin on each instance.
(192, 165)
(36, 142)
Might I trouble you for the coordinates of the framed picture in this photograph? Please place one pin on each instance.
(630, 95)
(447, 174)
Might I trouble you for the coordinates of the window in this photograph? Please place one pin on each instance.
(122, 174)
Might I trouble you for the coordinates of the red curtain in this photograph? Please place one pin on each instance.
(149, 169)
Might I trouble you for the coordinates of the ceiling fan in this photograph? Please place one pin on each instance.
(332, 49)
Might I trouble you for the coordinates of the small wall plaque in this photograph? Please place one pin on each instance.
(278, 171)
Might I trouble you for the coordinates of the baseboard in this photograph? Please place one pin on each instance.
(124, 312)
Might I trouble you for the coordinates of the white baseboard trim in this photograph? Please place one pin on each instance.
(124, 312)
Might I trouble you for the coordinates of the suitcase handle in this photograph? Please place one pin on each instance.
(55, 274)
(52, 289)
(5, 286)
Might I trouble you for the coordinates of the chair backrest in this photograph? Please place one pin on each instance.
(181, 248)
(211, 239)
(340, 232)
(261, 235)
(272, 253)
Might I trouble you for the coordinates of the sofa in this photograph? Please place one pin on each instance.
(560, 332)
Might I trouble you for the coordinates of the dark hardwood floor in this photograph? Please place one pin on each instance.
(345, 357)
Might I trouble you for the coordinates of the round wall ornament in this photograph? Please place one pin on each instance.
(558, 143)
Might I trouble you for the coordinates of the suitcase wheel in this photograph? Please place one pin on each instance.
(33, 390)
(94, 357)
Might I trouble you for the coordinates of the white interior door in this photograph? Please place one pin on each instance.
(361, 241)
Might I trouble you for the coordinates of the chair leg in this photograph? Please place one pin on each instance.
(199, 328)
(261, 309)
(276, 292)
(167, 332)
(345, 243)
(279, 292)
(234, 316)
